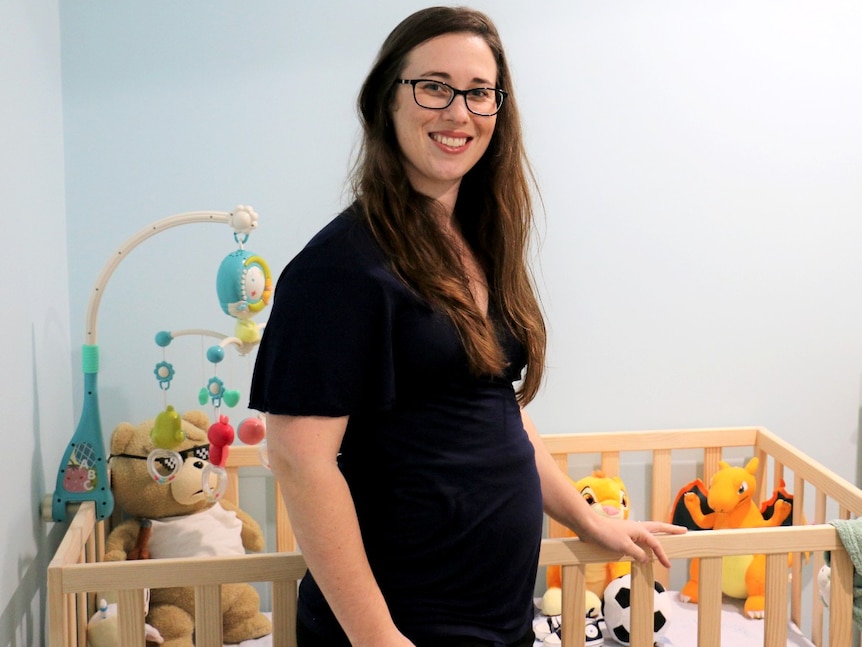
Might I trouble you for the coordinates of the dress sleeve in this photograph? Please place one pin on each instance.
(327, 346)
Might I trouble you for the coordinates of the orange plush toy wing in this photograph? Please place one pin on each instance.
(680, 515)
(767, 509)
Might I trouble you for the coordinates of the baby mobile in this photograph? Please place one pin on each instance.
(244, 289)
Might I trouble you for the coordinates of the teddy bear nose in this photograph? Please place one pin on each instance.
(199, 464)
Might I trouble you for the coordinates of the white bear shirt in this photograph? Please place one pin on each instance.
(213, 532)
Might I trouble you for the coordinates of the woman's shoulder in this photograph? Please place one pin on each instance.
(344, 247)
(345, 239)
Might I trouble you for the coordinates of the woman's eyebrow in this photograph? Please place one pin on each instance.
(448, 77)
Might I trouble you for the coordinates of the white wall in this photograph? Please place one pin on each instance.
(699, 166)
(36, 378)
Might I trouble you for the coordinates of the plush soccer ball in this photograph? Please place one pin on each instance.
(616, 608)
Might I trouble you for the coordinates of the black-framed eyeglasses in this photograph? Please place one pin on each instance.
(200, 451)
(437, 95)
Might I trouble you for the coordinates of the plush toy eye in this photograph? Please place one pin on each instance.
(743, 488)
(589, 495)
(624, 500)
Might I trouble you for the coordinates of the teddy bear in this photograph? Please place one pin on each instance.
(177, 519)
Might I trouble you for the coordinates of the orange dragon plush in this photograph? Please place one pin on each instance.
(731, 500)
(608, 497)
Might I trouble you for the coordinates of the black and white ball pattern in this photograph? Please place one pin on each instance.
(616, 608)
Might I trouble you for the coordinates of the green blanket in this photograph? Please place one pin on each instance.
(850, 532)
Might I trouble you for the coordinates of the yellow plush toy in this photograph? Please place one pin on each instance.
(730, 502)
(608, 497)
(176, 519)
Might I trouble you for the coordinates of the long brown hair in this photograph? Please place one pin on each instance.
(494, 207)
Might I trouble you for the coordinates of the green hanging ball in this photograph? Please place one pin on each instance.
(203, 396)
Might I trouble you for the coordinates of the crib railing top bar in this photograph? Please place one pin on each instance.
(74, 539)
(631, 441)
(197, 571)
(825, 480)
(711, 543)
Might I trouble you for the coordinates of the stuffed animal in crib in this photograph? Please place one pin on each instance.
(608, 497)
(177, 519)
(729, 503)
(103, 626)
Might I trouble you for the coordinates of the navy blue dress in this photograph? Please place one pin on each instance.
(440, 468)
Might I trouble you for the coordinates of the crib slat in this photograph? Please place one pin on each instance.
(709, 603)
(775, 622)
(711, 457)
(611, 463)
(662, 498)
(284, 613)
(574, 601)
(130, 617)
(798, 558)
(208, 619)
(642, 603)
(71, 636)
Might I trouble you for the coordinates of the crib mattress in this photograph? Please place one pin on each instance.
(736, 629)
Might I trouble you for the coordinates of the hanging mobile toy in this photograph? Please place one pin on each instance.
(252, 431)
(83, 471)
(221, 435)
(244, 282)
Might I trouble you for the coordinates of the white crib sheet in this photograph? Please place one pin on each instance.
(736, 629)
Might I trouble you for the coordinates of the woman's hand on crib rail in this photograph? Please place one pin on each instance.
(565, 504)
(630, 538)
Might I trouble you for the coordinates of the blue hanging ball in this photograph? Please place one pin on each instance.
(215, 354)
(163, 338)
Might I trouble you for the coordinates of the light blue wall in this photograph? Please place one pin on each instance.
(699, 166)
(36, 378)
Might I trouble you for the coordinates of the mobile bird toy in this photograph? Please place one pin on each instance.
(244, 287)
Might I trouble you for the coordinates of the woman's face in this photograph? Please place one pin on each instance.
(441, 146)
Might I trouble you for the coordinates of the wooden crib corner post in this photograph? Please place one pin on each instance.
(57, 614)
(841, 599)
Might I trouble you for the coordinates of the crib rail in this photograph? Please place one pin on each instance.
(710, 547)
(801, 541)
(75, 574)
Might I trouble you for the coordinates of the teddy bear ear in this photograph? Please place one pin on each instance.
(198, 418)
(122, 436)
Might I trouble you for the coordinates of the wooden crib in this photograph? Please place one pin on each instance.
(76, 571)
